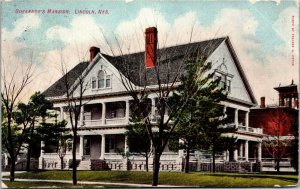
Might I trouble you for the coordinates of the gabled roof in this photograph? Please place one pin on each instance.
(133, 65)
(240, 70)
(59, 87)
(170, 59)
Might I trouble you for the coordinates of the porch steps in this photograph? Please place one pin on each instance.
(84, 165)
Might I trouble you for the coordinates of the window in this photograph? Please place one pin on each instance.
(224, 80)
(87, 146)
(109, 144)
(101, 80)
(113, 114)
(69, 145)
(108, 81)
(94, 83)
(228, 85)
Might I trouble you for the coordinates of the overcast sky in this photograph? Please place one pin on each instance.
(261, 34)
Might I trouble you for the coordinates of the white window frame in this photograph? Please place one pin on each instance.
(226, 78)
(106, 77)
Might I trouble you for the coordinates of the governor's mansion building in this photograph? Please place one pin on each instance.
(106, 107)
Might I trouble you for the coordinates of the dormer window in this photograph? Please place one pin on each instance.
(102, 81)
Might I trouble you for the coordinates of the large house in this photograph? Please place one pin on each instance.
(106, 110)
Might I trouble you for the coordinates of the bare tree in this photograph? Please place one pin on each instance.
(277, 143)
(13, 85)
(73, 93)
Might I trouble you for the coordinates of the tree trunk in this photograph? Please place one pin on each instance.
(29, 149)
(74, 164)
(214, 159)
(11, 148)
(278, 165)
(61, 163)
(28, 157)
(187, 160)
(12, 168)
(147, 164)
(156, 165)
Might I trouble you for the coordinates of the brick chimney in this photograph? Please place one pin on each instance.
(93, 52)
(262, 102)
(150, 47)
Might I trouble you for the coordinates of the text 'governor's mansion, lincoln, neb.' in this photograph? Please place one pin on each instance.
(106, 113)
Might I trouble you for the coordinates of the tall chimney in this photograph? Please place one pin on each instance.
(150, 47)
(262, 102)
(93, 52)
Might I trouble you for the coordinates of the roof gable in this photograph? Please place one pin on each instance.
(225, 60)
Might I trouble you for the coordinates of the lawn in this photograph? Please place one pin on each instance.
(55, 185)
(171, 178)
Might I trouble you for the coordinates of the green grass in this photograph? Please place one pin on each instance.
(18, 184)
(172, 178)
(21, 184)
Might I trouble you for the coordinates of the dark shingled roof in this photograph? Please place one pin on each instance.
(170, 59)
(59, 87)
(132, 66)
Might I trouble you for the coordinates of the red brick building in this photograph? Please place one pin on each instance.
(277, 122)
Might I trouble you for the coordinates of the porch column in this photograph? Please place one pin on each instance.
(259, 151)
(247, 120)
(153, 108)
(103, 113)
(236, 118)
(81, 116)
(224, 111)
(42, 148)
(127, 111)
(227, 155)
(180, 152)
(241, 150)
(235, 155)
(102, 146)
(81, 146)
(61, 113)
(246, 150)
(126, 149)
(41, 158)
(224, 155)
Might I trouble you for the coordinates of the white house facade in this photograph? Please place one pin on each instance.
(106, 112)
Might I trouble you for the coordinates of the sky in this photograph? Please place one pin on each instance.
(264, 34)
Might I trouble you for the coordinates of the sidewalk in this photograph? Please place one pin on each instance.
(3, 185)
(93, 182)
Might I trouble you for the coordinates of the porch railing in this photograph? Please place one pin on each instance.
(250, 129)
(115, 121)
(96, 122)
